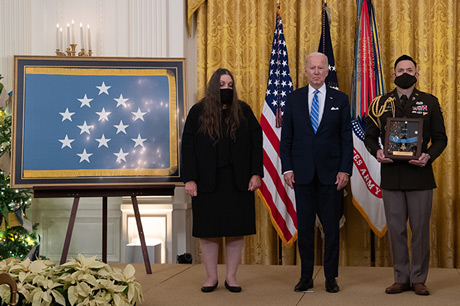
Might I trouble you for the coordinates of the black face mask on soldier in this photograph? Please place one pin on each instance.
(405, 80)
(226, 96)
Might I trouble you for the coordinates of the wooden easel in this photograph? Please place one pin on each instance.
(104, 191)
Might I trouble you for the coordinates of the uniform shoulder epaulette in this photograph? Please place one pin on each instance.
(376, 99)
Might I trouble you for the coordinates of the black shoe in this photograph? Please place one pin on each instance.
(232, 288)
(209, 288)
(304, 284)
(331, 285)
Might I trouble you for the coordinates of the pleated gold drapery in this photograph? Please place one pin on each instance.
(237, 35)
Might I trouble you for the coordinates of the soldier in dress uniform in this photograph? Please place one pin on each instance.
(407, 186)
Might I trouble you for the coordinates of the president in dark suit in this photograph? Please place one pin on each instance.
(317, 160)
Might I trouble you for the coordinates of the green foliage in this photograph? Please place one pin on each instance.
(14, 241)
(12, 199)
(5, 132)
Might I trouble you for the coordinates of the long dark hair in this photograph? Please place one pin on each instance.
(212, 108)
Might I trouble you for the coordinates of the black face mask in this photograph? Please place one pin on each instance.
(405, 80)
(226, 96)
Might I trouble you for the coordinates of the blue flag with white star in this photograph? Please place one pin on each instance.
(325, 47)
(81, 123)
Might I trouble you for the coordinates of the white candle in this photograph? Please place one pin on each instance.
(81, 36)
(57, 36)
(73, 34)
(89, 38)
(68, 36)
(61, 39)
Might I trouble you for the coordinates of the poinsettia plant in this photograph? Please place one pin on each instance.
(81, 281)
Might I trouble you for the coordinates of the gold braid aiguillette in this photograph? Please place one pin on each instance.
(377, 112)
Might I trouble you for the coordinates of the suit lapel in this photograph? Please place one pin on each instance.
(306, 114)
(328, 103)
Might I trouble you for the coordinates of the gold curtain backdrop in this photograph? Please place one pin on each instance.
(238, 34)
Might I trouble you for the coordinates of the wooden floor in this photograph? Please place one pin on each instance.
(174, 285)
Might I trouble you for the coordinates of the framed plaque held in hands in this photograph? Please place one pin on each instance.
(403, 138)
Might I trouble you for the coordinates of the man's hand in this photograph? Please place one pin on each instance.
(381, 157)
(289, 179)
(421, 161)
(254, 183)
(342, 180)
(191, 189)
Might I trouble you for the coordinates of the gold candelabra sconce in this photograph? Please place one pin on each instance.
(71, 49)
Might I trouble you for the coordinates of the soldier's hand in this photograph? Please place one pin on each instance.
(381, 157)
(421, 161)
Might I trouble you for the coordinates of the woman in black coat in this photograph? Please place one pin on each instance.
(222, 167)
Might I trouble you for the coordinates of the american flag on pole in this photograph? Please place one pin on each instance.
(367, 84)
(278, 199)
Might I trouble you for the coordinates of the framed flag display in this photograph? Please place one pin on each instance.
(97, 120)
(403, 138)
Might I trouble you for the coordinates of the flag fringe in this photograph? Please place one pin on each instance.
(288, 243)
(379, 233)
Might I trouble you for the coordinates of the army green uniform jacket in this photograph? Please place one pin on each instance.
(400, 175)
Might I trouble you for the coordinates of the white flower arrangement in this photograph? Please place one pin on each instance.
(82, 281)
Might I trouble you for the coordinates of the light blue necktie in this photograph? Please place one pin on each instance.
(314, 113)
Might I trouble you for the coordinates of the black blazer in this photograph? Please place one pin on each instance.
(327, 152)
(199, 154)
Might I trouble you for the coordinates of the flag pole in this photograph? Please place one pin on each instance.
(280, 242)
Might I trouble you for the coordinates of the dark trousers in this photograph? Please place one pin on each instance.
(327, 202)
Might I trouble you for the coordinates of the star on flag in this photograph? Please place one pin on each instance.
(121, 127)
(66, 142)
(138, 114)
(103, 141)
(121, 101)
(85, 101)
(66, 115)
(84, 156)
(103, 115)
(138, 141)
(103, 89)
(121, 155)
(84, 128)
